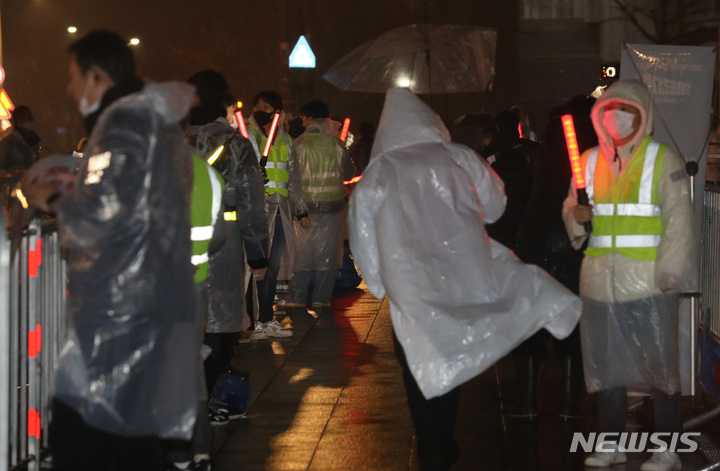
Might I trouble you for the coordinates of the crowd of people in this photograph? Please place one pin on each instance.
(627, 253)
(166, 172)
(184, 217)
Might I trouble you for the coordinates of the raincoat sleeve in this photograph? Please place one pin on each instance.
(109, 178)
(348, 168)
(576, 232)
(362, 233)
(677, 262)
(488, 185)
(295, 193)
(248, 199)
(219, 235)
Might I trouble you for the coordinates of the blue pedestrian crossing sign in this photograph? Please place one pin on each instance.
(301, 55)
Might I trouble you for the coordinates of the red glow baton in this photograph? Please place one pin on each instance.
(241, 123)
(345, 129)
(574, 153)
(271, 135)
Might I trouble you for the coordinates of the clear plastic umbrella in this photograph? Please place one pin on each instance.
(424, 58)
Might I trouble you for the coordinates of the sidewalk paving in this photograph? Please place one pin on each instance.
(331, 398)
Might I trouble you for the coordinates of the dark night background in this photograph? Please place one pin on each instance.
(247, 41)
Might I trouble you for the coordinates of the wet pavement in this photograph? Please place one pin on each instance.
(331, 398)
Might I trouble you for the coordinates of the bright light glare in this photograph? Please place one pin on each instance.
(215, 155)
(597, 93)
(72, 29)
(19, 195)
(134, 41)
(403, 82)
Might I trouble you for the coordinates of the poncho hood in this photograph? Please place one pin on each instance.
(406, 120)
(631, 92)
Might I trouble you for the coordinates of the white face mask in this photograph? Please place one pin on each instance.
(233, 122)
(84, 107)
(619, 124)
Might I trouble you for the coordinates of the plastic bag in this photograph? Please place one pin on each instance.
(232, 390)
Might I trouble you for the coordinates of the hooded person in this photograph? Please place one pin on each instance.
(244, 220)
(641, 252)
(124, 219)
(323, 165)
(459, 300)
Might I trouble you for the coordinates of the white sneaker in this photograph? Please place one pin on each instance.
(274, 329)
(259, 333)
(662, 461)
(605, 459)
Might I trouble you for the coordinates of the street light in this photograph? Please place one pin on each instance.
(72, 29)
(403, 82)
(134, 41)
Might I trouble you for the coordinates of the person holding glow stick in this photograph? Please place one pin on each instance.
(283, 195)
(641, 254)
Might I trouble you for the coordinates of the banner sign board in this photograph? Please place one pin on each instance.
(681, 80)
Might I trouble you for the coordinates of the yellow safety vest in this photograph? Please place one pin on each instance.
(277, 162)
(205, 203)
(321, 179)
(626, 211)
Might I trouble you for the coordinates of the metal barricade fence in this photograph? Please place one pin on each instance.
(710, 307)
(32, 305)
(710, 259)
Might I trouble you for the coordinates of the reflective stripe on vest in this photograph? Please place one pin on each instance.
(273, 184)
(201, 233)
(198, 259)
(628, 209)
(630, 228)
(280, 165)
(625, 241)
(327, 190)
(253, 141)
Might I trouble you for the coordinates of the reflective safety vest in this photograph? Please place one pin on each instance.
(277, 162)
(205, 204)
(626, 211)
(321, 178)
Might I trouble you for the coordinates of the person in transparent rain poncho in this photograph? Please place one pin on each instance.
(642, 252)
(283, 198)
(459, 301)
(124, 219)
(324, 165)
(244, 222)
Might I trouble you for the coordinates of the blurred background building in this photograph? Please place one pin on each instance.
(547, 50)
